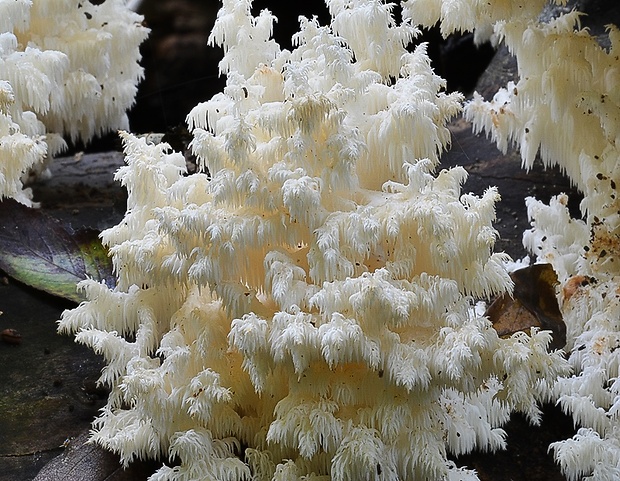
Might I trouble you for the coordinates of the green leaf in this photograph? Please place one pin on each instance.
(38, 251)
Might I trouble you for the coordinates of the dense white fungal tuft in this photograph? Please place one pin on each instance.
(308, 294)
(565, 110)
(67, 68)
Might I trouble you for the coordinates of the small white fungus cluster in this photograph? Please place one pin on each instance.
(67, 67)
(481, 17)
(302, 308)
(565, 110)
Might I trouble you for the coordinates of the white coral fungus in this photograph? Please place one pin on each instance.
(67, 67)
(565, 110)
(303, 307)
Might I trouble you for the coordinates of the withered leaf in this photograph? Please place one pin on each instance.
(37, 250)
(534, 304)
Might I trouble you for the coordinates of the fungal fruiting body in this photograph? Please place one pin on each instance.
(565, 110)
(302, 307)
(67, 67)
